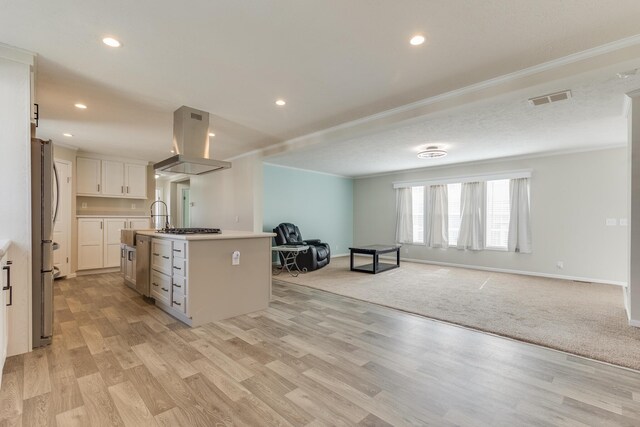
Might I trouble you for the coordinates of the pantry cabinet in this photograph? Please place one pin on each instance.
(111, 178)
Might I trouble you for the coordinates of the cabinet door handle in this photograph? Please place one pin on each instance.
(176, 268)
(100, 225)
(154, 284)
(177, 250)
(177, 303)
(177, 286)
(98, 188)
(155, 254)
(127, 189)
(165, 257)
(165, 289)
(9, 288)
(122, 189)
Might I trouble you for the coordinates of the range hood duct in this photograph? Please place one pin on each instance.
(191, 145)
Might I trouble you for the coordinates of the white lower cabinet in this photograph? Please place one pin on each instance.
(169, 266)
(99, 240)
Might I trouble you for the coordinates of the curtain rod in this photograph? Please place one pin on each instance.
(521, 173)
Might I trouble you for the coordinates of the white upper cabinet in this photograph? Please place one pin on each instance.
(135, 181)
(111, 178)
(89, 177)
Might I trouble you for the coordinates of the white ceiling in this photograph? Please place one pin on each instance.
(504, 126)
(333, 60)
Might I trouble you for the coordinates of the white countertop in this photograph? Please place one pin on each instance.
(113, 216)
(225, 235)
(4, 246)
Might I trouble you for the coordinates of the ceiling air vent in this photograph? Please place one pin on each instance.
(549, 98)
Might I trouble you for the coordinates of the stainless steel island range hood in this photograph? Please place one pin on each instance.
(191, 145)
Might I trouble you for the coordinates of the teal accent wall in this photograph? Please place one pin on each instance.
(320, 205)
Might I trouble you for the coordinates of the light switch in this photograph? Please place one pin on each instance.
(623, 222)
(611, 222)
(235, 258)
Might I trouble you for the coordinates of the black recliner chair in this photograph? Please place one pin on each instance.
(318, 255)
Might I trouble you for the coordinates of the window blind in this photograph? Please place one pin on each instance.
(454, 191)
(498, 213)
(417, 208)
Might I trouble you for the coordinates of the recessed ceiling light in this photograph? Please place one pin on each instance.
(81, 106)
(212, 134)
(417, 40)
(173, 151)
(67, 135)
(156, 176)
(432, 152)
(281, 102)
(110, 41)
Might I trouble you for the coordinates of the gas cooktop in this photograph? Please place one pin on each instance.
(190, 231)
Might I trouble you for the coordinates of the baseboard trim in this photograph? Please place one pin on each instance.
(635, 323)
(338, 255)
(71, 276)
(97, 271)
(504, 270)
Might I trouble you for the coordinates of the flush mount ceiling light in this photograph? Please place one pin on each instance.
(111, 42)
(81, 106)
(417, 40)
(68, 135)
(432, 152)
(281, 102)
(156, 176)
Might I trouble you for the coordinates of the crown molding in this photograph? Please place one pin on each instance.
(18, 55)
(307, 170)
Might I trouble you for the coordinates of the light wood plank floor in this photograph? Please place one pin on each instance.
(312, 358)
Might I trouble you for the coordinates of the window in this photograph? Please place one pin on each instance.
(498, 212)
(417, 210)
(453, 193)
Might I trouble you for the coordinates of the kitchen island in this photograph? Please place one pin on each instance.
(201, 278)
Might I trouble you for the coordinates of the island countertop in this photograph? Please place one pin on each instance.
(224, 235)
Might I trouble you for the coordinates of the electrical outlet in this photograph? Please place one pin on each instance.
(84, 205)
(560, 264)
(133, 205)
(235, 258)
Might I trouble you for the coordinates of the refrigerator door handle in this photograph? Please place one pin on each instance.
(47, 304)
(57, 201)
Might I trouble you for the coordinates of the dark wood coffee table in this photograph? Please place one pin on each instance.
(375, 250)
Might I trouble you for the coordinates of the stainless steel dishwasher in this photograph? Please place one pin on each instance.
(143, 264)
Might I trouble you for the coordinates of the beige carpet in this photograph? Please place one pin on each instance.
(586, 319)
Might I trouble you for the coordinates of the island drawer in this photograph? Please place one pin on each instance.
(179, 303)
(161, 287)
(180, 248)
(179, 285)
(161, 255)
(179, 266)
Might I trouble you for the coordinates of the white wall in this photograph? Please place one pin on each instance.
(230, 199)
(15, 207)
(571, 197)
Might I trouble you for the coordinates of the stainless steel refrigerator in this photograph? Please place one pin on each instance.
(44, 208)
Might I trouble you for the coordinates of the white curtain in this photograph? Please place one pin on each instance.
(438, 218)
(472, 223)
(520, 220)
(404, 216)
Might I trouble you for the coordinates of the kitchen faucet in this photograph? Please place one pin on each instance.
(165, 215)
